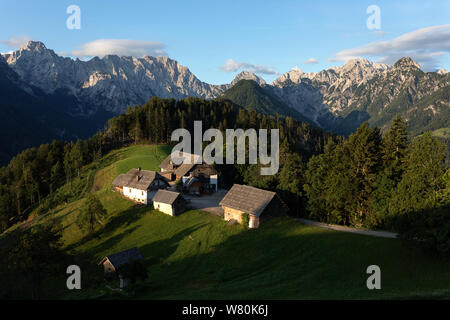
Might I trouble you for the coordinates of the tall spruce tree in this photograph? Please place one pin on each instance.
(395, 145)
(364, 152)
(91, 214)
(422, 181)
(394, 150)
(37, 254)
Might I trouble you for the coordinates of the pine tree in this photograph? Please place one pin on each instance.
(91, 214)
(291, 180)
(364, 150)
(77, 155)
(395, 144)
(422, 181)
(394, 149)
(139, 130)
(37, 254)
(57, 174)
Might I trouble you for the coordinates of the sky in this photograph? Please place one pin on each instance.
(218, 39)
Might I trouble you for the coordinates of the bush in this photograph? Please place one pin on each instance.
(245, 219)
(429, 227)
(134, 270)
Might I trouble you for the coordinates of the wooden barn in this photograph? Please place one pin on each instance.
(112, 263)
(258, 204)
(140, 185)
(169, 202)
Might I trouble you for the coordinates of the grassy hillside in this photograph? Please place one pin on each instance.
(197, 256)
(442, 133)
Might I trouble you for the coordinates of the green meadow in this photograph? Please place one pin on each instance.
(442, 133)
(196, 255)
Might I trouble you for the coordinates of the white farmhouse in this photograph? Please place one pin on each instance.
(140, 185)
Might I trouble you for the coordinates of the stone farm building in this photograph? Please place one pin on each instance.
(259, 204)
(169, 202)
(140, 185)
(197, 177)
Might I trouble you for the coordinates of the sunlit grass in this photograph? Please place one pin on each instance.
(196, 255)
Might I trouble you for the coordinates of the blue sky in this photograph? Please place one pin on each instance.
(270, 37)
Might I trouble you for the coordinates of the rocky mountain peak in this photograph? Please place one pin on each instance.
(111, 82)
(406, 63)
(294, 75)
(360, 65)
(34, 46)
(32, 49)
(247, 75)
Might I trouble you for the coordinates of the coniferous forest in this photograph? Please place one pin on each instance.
(367, 180)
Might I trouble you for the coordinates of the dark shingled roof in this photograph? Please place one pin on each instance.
(130, 179)
(184, 169)
(247, 199)
(203, 172)
(166, 196)
(120, 258)
(167, 163)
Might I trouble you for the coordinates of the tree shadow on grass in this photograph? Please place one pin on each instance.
(160, 250)
(125, 218)
(106, 246)
(273, 263)
(119, 221)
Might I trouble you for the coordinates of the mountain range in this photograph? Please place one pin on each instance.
(49, 96)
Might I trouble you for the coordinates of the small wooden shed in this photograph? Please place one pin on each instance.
(169, 202)
(112, 263)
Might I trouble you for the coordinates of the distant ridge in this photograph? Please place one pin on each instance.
(251, 96)
(79, 96)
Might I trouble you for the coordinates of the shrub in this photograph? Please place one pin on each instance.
(430, 227)
(245, 219)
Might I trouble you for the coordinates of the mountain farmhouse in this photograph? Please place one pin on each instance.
(169, 202)
(140, 185)
(196, 177)
(256, 204)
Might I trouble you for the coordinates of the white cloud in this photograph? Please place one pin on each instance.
(424, 46)
(310, 61)
(233, 66)
(120, 47)
(16, 42)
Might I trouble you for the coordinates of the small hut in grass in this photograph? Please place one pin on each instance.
(112, 264)
(169, 202)
(245, 203)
